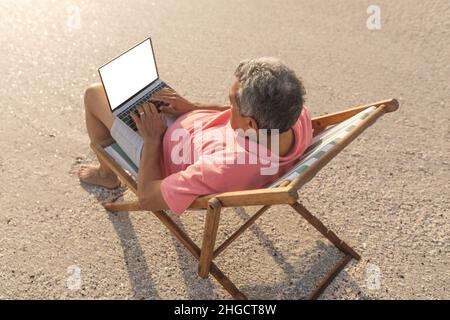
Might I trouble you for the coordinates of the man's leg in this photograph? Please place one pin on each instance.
(99, 121)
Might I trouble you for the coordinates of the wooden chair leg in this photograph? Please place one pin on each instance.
(122, 206)
(327, 233)
(190, 245)
(209, 237)
(333, 238)
(330, 277)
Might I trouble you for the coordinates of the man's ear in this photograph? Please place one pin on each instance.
(251, 123)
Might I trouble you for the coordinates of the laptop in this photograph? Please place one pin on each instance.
(130, 80)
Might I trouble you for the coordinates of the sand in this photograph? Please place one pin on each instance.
(387, 194)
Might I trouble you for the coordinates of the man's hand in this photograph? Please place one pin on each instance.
(151, 125)
(177, 104)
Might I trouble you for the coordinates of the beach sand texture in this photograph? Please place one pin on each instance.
(387, 194)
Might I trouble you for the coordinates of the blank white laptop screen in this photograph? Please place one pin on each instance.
(129, 73)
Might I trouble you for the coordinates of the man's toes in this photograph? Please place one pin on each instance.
(82, 172)
(84, 167)
(86, 173)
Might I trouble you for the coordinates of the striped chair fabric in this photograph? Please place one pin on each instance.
(321, 144)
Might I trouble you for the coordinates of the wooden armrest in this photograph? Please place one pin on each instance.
(268, 196)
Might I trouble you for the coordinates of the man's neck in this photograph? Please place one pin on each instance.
(285, 141)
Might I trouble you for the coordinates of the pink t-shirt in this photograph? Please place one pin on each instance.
(202, 155)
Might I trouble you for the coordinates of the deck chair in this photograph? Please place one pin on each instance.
(332, 133)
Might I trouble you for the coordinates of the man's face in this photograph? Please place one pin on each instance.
(238, 121)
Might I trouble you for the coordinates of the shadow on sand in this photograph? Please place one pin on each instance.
(138, 272)
(325, 256)
(293, 287)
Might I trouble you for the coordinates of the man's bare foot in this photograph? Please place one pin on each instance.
(91, 175)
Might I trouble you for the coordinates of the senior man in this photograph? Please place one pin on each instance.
(208, 149)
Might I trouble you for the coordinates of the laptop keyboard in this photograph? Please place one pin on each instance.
(125, 115)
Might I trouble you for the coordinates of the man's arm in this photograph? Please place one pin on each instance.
(204, 106)
(177, 105)
(149, 178)
(151, 126)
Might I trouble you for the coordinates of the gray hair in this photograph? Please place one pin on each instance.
(270, 93)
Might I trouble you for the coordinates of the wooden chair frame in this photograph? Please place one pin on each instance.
(286, 193)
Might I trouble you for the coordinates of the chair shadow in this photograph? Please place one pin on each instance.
(197, 288)
(143, 287)
(325, 257)
(138, 272)
(137, 268)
